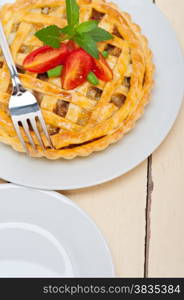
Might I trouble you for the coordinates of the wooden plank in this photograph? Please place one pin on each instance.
(118, 208)
(167, 222)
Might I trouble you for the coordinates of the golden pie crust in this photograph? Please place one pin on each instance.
(89, 118)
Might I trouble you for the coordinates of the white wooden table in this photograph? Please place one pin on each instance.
(141, 214)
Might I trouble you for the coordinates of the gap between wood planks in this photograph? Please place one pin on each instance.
(149, 190)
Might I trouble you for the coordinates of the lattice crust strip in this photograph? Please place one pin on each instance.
(88, 118)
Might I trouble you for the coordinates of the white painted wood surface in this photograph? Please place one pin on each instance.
(118, 208)
(129, 213)
(166, 258)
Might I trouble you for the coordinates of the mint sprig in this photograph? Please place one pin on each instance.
(86, 34)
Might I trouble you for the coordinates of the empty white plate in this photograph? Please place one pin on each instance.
(136, 146)
(43, 234)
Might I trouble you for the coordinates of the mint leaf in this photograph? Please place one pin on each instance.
(88, 44)
(72, 11)
(50, 35)
(87, 26)
(98, 35)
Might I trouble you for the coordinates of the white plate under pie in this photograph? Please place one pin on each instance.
(136, 146)
(44, 234)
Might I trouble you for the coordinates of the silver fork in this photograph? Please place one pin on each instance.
(23, 106)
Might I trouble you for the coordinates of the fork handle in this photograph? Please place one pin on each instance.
(9, 60)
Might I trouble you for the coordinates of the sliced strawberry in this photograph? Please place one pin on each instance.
(76, 69)
(101, 69)
(45, 58)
